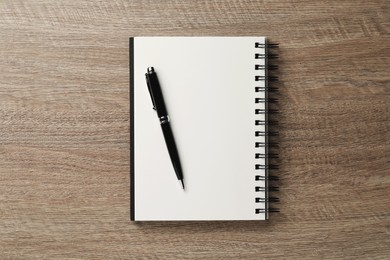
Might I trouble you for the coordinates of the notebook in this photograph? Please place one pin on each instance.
(215, 92)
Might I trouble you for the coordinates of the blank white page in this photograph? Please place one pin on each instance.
(208, 84)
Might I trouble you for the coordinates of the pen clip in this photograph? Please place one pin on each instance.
(150, 90)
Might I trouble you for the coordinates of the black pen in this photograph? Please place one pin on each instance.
(159, 106)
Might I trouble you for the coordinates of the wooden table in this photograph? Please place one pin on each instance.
(64, 131)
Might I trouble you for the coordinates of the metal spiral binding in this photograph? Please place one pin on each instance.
(264, 158)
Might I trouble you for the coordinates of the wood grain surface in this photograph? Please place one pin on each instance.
(64, 131)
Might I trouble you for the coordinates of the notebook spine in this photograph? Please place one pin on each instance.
(265, 181)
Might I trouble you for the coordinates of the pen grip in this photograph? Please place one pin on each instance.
(172, 149)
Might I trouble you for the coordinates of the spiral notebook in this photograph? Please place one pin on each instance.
(215, 90)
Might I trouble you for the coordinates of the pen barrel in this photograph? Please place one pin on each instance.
(172, 149)
(157, 94)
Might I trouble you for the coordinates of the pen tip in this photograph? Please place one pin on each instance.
(182, 183)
